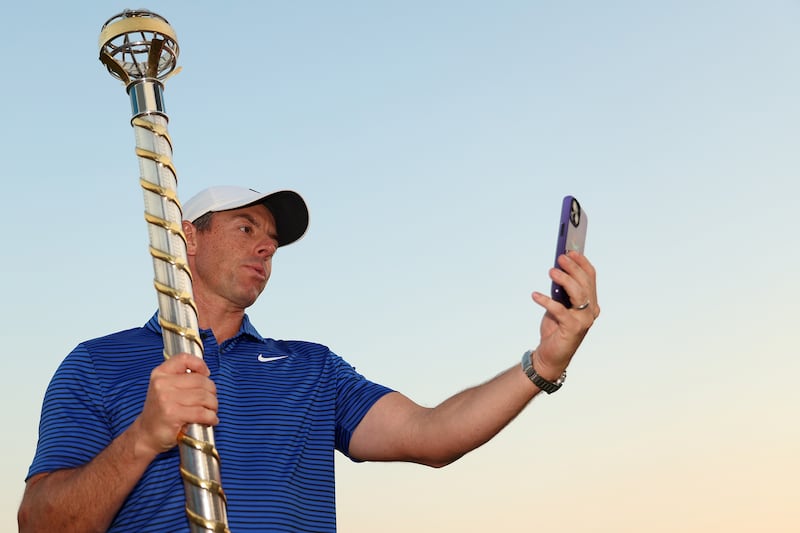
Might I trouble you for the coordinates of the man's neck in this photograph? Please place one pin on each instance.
(224, 322)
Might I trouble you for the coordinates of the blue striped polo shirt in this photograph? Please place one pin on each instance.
(280, 421)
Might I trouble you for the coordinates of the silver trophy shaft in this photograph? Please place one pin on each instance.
(140, 49)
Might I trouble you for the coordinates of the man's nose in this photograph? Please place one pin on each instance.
(267, 247)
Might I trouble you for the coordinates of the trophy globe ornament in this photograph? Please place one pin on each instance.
(140, 48)
(138, 44)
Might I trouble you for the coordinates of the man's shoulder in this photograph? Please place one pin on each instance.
(132, 336)
(133, 347)
(118, 355)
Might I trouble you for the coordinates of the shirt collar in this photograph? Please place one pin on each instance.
(246, 328)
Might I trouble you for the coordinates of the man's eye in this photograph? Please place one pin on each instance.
(245, 229)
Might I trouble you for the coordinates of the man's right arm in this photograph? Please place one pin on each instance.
(87, 498)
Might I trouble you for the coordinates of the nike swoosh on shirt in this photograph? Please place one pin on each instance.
(264, 359)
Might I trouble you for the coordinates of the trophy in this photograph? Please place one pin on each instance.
(140, 48)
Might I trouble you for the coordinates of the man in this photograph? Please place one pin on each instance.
(107, 456)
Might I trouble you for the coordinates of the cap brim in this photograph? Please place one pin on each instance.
(290, 212)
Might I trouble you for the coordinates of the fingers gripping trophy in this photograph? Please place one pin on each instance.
(140, 49)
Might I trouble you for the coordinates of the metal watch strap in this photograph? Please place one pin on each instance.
(548, 386)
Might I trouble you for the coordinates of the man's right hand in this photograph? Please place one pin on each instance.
(180, 393)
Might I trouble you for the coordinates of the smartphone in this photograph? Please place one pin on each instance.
(571, 236)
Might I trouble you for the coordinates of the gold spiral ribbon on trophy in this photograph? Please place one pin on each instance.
(164, 161)
(208, 525)
(203, 483)
(174, 228)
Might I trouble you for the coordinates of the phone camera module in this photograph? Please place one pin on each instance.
(575, 213)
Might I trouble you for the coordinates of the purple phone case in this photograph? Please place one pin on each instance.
(571, 236)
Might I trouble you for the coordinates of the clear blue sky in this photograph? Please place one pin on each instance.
(433, 142)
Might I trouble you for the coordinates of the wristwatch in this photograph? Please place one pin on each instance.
(548, 386)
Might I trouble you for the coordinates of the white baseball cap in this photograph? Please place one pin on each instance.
(288, 208)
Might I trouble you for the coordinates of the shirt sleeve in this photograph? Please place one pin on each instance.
(73, 428)
(355, 396)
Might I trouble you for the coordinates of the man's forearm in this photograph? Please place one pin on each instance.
(86, 498)
(472, 417)
(397, 429)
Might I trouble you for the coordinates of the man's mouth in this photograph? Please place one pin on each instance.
(259, 270)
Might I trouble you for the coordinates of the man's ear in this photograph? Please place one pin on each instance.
(190, 232)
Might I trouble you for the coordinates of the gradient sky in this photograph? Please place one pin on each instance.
(433, 142)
